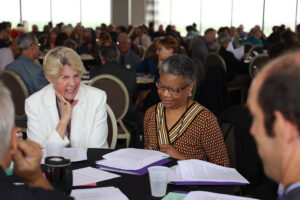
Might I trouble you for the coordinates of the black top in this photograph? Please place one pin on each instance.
(10, 191)
(233, 65)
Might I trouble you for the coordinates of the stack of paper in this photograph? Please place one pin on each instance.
(107, 193)
(133, 161)
(198, 172)
(74, 154)
(201, 195)
(90, 175)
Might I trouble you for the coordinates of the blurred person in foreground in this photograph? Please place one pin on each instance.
(274, 104)
(177, 125)
(26, 156)
(66, 110)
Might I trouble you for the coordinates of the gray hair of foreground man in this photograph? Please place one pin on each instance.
(7, 111)
(179, 65)
(280, 90)
(24, 40)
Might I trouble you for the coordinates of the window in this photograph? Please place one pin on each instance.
(36, 12)
(10, 11)
(163, 12)
(279, 12)
(247, 13)
(215, 14)
(184, 14)
(66, 11)
(95, 12)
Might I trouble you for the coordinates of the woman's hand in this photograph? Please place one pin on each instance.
(19, 133)
(66, 114)
(168, 149)
(66, 108)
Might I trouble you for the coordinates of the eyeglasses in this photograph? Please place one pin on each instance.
(160, 49)
(172, 91)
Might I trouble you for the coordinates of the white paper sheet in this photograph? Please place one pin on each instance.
(131, 159)
(201, 195)
(107, 193)
(89, 175)
(238, 52)
(199, 170)
(74, 154)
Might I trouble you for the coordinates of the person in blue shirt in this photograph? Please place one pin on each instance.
(31, 73)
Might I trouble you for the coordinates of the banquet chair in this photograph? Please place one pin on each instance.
(19, 93)
(117, 99)
(212, 87)
(256, 50)
(247, 47)
(257, 64)
(213, 59)
(112, 128)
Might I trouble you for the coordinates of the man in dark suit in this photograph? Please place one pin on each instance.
(26, 156)
(274, 102)
(109, 58)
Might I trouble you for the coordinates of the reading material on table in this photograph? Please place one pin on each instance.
(174, 196)
(107, 193)
(199, 172)
(90, 175)
(132, 160)
(201, 195)
(74, 154)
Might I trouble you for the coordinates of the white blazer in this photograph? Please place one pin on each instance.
(88, 122)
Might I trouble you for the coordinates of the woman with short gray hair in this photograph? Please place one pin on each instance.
(179, 126)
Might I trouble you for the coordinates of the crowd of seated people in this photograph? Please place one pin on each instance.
(127, 52)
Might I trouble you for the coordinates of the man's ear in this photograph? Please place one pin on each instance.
(285, 129)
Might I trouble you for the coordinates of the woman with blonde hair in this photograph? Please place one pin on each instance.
(67, 111)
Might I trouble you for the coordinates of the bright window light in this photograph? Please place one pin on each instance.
(279, 12)
(215, 14)
(40, 16)
(10, 11)
(95, 12)
(247, 13)
(66, 11)
(184, 14)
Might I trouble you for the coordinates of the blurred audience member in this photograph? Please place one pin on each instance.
(128, 57)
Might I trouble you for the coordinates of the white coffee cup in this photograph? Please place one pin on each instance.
(54, 149)
(158, 176)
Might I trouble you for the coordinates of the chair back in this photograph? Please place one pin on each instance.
(256, 50)
(213, 59)
(18, 91)
(112, 128)
(247, 47)
(116, 91)
(229, 139)
(257, 64)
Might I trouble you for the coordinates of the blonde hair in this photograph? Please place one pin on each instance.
(55, 60)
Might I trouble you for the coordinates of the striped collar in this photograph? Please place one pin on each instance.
(166, 136)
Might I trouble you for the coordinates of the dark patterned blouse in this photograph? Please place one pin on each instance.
(196, 134)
